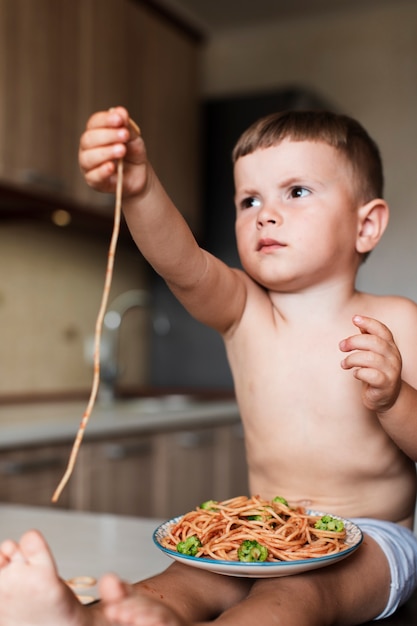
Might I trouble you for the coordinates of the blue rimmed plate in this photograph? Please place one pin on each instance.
(354, 538)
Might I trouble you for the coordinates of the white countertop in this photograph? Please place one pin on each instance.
(22, 424)
(89, 544)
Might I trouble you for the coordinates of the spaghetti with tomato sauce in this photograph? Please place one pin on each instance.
(254, 529)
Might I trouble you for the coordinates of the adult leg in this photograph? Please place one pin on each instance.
(193, 594)
(350, 592)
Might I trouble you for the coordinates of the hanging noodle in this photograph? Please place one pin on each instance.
(98, 328)
(288, 534)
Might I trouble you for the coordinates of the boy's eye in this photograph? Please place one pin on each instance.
(250, 202)
(299, 192)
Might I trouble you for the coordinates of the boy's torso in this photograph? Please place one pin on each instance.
(309, 438)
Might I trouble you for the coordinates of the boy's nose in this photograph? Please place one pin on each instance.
(269, 215)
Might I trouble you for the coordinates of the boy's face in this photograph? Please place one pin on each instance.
(296, 215)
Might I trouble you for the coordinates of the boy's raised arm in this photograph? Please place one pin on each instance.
(201, 282)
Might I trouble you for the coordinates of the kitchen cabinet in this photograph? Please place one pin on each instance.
(158, 474)
(196, 465)
(187, 470)
(30, 475)
(61, 61)
(164, 97)
(116, 476)
(163, 474)
(38, 80)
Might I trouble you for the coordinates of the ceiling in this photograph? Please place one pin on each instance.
(211, 16)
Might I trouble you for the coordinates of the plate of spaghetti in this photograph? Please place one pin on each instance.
(257, 538)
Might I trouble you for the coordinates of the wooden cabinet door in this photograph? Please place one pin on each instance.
(238, 465)
(229, 468)
(103, 76)
(30, 476)
(38, 79)
(164, 97)
(60, 61)
(183, 468)
(116, 476)
(192, 466)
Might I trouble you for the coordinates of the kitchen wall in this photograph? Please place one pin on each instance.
(51, 282)
(364, 61)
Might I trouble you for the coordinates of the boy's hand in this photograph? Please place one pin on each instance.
(376, 361)
(108, 137)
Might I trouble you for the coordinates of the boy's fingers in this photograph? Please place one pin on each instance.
(116, 116)
(365, 343)
(372, 326)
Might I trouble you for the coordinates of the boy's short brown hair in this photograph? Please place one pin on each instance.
(340, 131)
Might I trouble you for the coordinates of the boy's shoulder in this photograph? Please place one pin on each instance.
(391, 310)
(388, 301)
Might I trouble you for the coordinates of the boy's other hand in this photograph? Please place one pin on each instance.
(376, 361)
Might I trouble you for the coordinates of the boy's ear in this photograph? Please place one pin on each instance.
(372, 221)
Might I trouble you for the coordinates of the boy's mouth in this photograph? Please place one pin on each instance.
(269, 245)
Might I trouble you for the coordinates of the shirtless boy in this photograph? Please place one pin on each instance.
(325, 376)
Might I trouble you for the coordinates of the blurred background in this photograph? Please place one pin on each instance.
(194, 74)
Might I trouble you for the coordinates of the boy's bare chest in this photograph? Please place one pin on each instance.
(294, 367)
(295, 384)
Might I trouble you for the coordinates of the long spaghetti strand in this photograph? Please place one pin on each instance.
(98, 328)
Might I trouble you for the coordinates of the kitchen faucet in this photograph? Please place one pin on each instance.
(109, 348)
